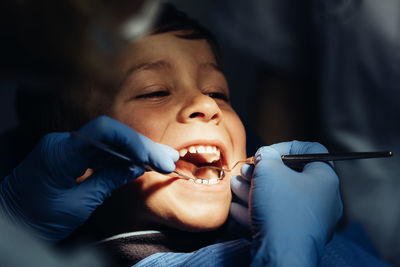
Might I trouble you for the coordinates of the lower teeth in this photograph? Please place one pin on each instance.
(201, 181)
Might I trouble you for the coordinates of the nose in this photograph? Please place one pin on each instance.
(200, 108)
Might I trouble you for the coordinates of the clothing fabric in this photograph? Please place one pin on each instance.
(128, 248)
(351, 48)
(349, 248)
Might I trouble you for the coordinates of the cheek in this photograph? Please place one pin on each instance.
(148, 123)
(237, 134)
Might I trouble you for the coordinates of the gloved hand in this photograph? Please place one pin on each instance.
(292, 214)
(42, 191)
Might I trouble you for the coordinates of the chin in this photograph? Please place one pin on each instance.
(200, 219)
(183, 205)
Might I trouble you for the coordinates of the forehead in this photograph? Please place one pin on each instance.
(168, 47)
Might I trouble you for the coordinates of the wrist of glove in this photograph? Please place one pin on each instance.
(42, 191)
(292, 214)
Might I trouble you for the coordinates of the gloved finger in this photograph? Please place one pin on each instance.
(307, 148)
(60, 157)
(320, 167)
(72, 206)
(298, 147)
(241, 188)
(136, 145)
(247, 171)
(103, 182)
(327, 181)
(283, 148)
(311, 148)
(267, 153)
(240, 214)
(161, 157)
(324, 173)
(268, 163)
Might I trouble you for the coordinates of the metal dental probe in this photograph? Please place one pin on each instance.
(296, 162)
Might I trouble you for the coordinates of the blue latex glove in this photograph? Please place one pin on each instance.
(42, 192)
(292, 214)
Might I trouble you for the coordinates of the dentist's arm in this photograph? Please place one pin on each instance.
(292, 214)
(42, 191)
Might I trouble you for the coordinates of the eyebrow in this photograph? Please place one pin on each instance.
(211, 65)
(160, 64)
(156, 65)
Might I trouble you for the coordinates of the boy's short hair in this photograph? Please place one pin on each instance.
(58, 107)
(170, 19)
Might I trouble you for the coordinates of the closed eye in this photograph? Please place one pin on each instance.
(156, 94)
(218, 95)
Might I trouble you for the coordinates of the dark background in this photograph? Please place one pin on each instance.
(337, 81)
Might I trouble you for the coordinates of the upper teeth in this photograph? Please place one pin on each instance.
(201, 150)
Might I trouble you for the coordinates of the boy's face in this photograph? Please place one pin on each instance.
(173, 92)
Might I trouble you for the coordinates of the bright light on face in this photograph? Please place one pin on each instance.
(174, 93)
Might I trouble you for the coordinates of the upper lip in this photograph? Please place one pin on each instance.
(220, 145)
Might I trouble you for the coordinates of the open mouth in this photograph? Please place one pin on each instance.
(196, 156)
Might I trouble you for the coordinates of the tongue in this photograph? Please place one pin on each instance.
(207, 173)
(193, 171)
